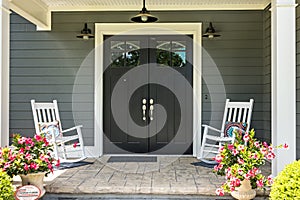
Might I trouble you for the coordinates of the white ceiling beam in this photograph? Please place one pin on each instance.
(34, 11)
(160, 7)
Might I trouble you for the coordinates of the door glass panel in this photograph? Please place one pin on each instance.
(125, 53)
(171, 53)
(178, 59)
(178, 45)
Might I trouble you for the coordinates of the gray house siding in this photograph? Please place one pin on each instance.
(267, 74)
(45, 65)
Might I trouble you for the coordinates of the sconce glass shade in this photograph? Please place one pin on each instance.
(86, 33)
(144, 16)
(210, 32)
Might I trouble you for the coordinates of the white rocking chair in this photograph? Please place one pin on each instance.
(46, 119)
(237, 115)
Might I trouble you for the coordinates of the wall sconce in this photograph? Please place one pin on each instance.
(86, 33)
(210, 32)
(144, 16)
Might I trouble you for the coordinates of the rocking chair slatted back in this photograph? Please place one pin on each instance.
(44, 112)
(237, 112)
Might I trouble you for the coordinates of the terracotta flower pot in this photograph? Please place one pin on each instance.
(244, 192)
(36, 179)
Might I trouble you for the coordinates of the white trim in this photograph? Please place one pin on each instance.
(102, 29)
(283, 18)
(34, 11)
(4, 74)
(161, 7)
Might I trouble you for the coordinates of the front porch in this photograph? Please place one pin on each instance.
(172, 176)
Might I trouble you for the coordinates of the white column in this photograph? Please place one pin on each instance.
(283, 81)
(4, 73)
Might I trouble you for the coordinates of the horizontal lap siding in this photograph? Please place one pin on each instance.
(267, 74)
(45, 65)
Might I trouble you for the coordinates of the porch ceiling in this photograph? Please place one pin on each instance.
(116, 5)
(39, 11)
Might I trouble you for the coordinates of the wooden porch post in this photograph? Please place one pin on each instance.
(4, 73)
(283, 69)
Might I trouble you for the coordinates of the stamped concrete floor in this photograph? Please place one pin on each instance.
(168, 176)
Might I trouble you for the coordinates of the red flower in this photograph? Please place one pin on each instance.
(57, 163)
(75, 144)
(38, 138)
(220, 191)
(26, 167)
(285, 146)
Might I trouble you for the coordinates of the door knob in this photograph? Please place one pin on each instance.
(151, 108)
(144, 101)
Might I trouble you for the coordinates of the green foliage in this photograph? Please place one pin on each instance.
(6, 188)
(286, 184)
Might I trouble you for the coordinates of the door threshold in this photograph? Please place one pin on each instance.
(148, 155)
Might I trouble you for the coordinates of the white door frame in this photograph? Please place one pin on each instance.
(102, 29)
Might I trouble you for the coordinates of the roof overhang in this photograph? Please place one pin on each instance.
(39, 11)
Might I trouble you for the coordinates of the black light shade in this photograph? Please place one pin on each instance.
(211, 32)
(86, 33)
(144, 16)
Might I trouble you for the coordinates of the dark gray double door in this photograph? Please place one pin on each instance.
(148, 94)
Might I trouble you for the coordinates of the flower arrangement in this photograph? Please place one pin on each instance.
(241, 160)
(27, 155)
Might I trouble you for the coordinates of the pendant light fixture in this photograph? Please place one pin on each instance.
(211, 32)
(86, 33)
(144, 16)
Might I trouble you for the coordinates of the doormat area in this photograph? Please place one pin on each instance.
(72, 165)
(132, 159)
(203, 164)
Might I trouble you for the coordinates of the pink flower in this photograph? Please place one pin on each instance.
(270, 180)
(256, 144)
(270, 148)
(246, 137)
(220, 191)
(260, 183)
(21, 151)
(12, 157)
(28, 156)
(241, 161)
(230, 146)
(247, 176)
(34, 166)
(254, 156)
(28, 141)
(57, 163)
(221, 149)
(235, 152)
(265, 144)
(218, 158)
(21, 140)
(38, 138)
(270, 156)
(27, 148)
(6, 165)
(285, 146)
(264, 150)
(26, 167)
(241, 147)
(216, 168)
(240, 171)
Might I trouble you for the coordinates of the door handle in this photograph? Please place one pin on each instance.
(151, 108)
(144, 101)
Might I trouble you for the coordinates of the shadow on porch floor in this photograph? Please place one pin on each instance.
(168, 176)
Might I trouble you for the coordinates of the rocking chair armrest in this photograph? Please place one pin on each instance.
(71, 129)
(211, 128)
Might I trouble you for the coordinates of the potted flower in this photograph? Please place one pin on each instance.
(240, 163)
(30, 158)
